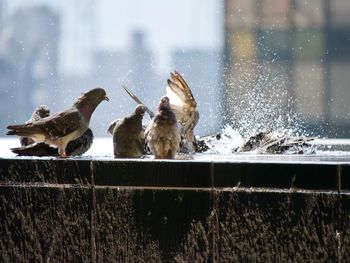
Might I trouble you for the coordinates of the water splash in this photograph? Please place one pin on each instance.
(230, 139)
(259, 98)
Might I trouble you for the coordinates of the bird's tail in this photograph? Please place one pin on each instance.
(13, 132)
(36, 149)
(25, 130)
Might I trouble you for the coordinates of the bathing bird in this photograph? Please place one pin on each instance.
(184, 105)
(275, 143)
(163, 134)
(128, 135)
(61, 128)
(75, 147)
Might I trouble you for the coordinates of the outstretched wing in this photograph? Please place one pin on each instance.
(182, 101)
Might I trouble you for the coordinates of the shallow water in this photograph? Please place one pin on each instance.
(327, 151)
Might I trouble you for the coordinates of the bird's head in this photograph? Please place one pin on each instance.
(164, 103)
(140, 110)
(89, 100)
(41, 111)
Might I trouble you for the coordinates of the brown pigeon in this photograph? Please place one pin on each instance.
(128, 135)
(163, 134)
(76, 147)
(61, 128)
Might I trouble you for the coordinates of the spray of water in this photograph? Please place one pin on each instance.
(259, 98)
(228, 140)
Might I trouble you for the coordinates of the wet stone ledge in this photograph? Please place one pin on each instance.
(89, 210)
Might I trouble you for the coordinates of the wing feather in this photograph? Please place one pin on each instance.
(182, 100)
(59, 124)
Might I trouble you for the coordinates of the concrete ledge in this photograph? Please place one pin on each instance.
(316, 175)
(107, 210)
(53, 171)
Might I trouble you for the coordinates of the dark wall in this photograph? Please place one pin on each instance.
(146, 211)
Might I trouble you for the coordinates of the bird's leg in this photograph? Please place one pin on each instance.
(62, 152)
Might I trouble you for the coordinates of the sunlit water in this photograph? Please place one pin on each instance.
(324, 150)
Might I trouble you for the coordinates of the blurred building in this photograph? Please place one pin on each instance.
(2, 7)
(28, 61)
(78, 35)
(300, 50)
(133, 68)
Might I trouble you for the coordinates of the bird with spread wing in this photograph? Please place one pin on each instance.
(184, 105)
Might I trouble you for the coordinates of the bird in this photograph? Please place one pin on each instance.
(128, 135)
(184, 105)
(75, 147)
(275, 143)
(61, 128)
(40, 112)
(163, 134)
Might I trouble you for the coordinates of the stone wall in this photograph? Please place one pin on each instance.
(54, 210)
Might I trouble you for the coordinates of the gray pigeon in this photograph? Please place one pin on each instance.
(61, 128)
(163, 134)
(128, 135)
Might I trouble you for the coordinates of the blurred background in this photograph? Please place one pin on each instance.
(252, 64)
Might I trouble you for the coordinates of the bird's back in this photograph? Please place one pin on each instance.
(128, 138)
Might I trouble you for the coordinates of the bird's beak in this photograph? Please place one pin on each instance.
(106, 98)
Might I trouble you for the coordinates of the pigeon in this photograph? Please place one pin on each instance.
(61, 128)
(184, 105)
(263, 142)
(76, 147)
(40, 112)
(163, 134)
(128, 135)
(267, 142)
